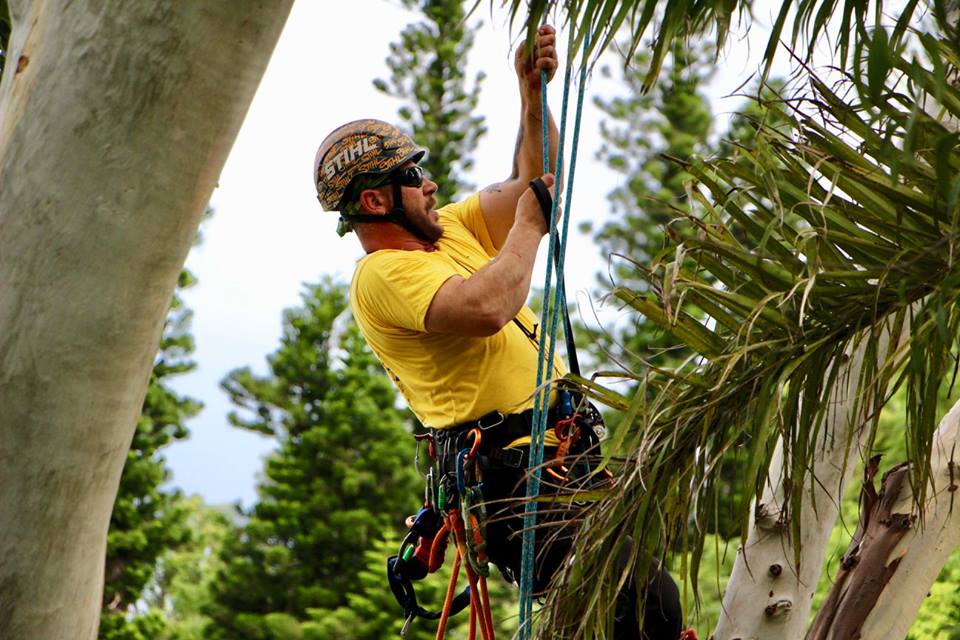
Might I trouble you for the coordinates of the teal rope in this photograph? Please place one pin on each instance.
(552, 308)
(542, 389)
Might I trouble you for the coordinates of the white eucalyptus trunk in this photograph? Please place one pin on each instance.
(924, 550)
(116, 117)
(921, 553)
(769, 597)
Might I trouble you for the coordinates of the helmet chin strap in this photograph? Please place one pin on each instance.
(397, 215)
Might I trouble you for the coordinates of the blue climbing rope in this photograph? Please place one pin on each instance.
(554, 297)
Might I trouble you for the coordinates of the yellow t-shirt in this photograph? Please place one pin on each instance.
(446, 379)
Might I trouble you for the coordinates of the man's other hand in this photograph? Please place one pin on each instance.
(529, 213)
(542, 57)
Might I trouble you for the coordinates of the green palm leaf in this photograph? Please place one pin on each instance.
(666, 20)
(811, 242)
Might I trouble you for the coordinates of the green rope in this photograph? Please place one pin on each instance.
(553, 299)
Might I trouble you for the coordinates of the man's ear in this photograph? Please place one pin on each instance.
(374, 201)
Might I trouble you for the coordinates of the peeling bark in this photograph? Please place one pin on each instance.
(114, 125)
(866, 567)
(923, 551)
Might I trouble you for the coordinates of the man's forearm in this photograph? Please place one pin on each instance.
(501, 287)
(482, 304)
(528, 154)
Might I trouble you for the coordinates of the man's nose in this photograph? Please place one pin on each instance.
(429, 186)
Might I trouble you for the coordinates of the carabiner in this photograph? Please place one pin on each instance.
(477, 437)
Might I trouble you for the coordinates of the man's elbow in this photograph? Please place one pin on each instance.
(471, 318)
(491, 320)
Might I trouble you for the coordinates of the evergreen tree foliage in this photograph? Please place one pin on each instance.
(644, 136)
(427, 74)
(146, 520)
(642, 132)
(181, 587)
(4, 32)
(340, 479)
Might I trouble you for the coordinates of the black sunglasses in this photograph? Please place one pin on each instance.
(409, 177)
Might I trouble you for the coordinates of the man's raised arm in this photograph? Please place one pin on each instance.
(499, 201)
(486, 301)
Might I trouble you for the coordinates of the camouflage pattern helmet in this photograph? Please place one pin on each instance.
(362, 147)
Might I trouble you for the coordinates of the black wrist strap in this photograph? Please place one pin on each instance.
(543, 197)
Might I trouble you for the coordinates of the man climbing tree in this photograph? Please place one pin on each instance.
(440, 299)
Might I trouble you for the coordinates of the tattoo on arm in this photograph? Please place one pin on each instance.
(516, 154)
(496, 187)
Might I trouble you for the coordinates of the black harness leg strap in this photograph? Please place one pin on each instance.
(400, 576)
(546, 205)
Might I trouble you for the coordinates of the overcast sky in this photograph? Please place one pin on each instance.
(269, 234)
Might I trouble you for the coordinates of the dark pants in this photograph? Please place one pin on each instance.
(504, 490)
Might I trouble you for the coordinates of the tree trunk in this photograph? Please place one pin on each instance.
(116, 118)
(768, 596)
(895, 556)
(864, 570)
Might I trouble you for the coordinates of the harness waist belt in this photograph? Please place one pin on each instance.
(498, 429)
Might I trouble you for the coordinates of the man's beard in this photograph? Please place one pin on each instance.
(427, 228)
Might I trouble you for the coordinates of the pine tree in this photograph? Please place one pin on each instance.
(427, 73)
(147, 520)
(4, 32)
(180, 590)
(339, 480)
(642, 132)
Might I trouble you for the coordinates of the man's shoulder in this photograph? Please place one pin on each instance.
(387, 262)
(463, 223)
(461, 211)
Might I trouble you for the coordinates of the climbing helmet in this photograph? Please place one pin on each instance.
(359, 148)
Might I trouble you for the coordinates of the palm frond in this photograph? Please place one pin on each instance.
(663, 21)
(811, 243)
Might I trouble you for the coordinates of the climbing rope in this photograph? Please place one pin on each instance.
(554, 303)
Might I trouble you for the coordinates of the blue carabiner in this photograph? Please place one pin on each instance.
(565, 404)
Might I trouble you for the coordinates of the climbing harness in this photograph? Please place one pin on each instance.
(453, 510)
(454, 487)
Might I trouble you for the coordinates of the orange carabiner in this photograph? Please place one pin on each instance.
(477, 437)
(438, 548)
(563, 429)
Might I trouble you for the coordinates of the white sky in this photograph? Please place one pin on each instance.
(269, 234)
